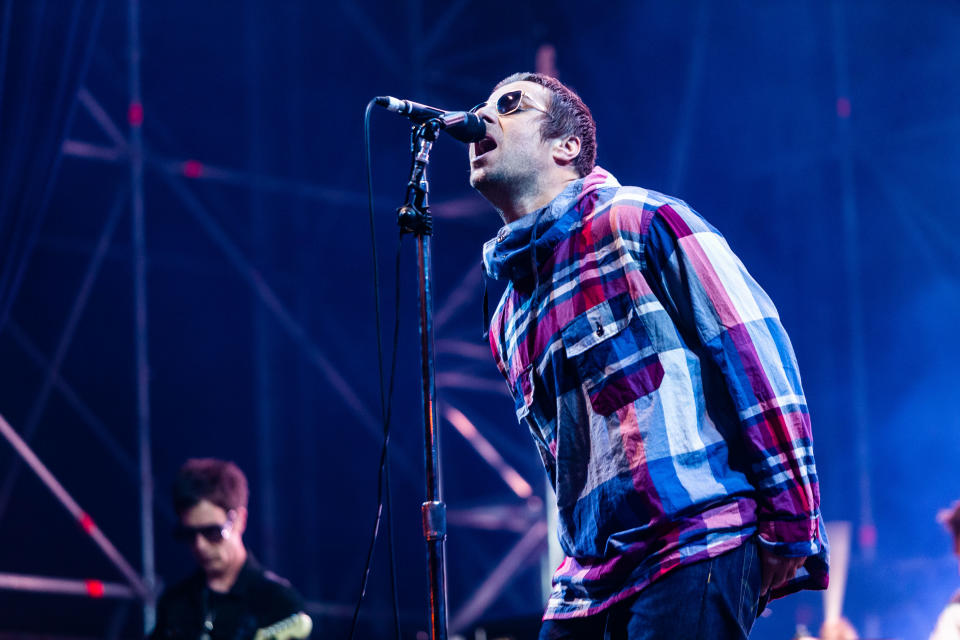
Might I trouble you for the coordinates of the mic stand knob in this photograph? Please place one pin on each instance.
(414, 216)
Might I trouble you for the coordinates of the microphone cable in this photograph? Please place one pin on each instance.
(386, 400)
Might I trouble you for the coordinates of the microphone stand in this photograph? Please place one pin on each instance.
(414, 217)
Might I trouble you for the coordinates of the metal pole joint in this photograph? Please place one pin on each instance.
(434, 520)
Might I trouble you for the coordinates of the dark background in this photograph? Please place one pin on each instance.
(822, 138)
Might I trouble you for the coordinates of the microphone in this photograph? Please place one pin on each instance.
(462, 125)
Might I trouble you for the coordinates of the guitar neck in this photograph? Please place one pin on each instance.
(295, 627)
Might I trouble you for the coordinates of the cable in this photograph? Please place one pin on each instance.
(383, 476)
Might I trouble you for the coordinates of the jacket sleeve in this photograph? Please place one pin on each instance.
(717, 303)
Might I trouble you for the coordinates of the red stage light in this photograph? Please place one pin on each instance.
(94, 588)
(192, 169)
(135, 114)
(843, 107)
(86, 522)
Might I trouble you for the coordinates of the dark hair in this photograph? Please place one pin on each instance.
(218, 481)
(950, 519)
(568, 116)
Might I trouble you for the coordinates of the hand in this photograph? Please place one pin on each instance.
(838, 629)
(776, 570)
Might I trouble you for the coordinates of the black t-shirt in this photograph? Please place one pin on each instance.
(257, 599)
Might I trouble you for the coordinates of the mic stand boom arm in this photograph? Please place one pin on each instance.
(414, 217)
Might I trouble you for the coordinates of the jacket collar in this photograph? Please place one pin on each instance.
(247, 577)
(512, 252)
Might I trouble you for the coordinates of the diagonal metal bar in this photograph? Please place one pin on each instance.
(66, 586)
(290, 325)
(465, 349)
(469, 57)
(511, 564)
(63, 344)
(463, 208)
(47, 189)
(86, 414)
(488, 452)
(95, 424)
(517, 518)
(462, 294)
(91, 151)
(256, 182)
(374, 39)
(917, 227)
(196, 170)
(102, 118)
(441, 25)
(18, 173)
(85, 521)
(456, 380)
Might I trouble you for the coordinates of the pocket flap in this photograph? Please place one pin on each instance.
(597, 324)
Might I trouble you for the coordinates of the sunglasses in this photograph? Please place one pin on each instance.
(212, 533)
(510, 103)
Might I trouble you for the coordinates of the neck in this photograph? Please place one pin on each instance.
(224, 580)
(521, 200)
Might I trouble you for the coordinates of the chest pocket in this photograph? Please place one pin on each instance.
(612, 353)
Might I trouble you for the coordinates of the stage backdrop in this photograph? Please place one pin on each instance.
(820, 137)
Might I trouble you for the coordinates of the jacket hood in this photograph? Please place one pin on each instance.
(531, 239)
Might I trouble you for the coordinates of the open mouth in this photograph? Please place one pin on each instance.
(484, 146)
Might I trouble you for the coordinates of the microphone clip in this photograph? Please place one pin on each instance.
(414, 215)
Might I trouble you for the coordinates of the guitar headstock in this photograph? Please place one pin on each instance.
(295, 627)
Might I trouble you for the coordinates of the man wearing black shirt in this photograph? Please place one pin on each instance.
(230, 596)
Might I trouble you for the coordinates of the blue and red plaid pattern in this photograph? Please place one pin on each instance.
(660, 388)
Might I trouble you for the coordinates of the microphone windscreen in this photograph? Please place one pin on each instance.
(464, 126)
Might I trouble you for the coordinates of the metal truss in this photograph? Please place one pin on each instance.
(128, 148)
(524, 513)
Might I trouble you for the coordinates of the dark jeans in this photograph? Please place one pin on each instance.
(713, 599)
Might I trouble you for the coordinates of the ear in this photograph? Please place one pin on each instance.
(241, 524)
(565, 150)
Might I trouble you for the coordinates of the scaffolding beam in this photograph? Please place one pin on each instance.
(138, 233)
(81, 516)
(66, 586)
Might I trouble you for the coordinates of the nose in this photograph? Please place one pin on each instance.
(199, 543)
(487, 113)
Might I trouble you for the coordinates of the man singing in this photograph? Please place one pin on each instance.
(230, 596)
(657, 382)
(948, 624)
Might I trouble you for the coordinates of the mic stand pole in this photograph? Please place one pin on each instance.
(414, 217)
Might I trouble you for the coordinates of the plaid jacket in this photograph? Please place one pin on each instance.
(660, 388)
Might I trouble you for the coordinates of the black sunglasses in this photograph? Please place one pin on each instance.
(212, 533)
(510, 103)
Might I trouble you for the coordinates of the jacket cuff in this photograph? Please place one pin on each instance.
(800, 549)
(790, 538)
(814, 574)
